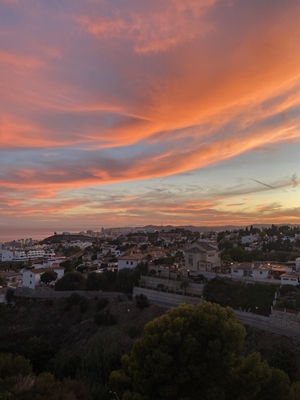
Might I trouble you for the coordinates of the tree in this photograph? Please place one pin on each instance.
(71, 281)
(191, 353)
(183, 354)
(39, 352)
(96, 281)
(183, 286)
(126, 280)
(68, 265)
(9, 295)
(48, 276)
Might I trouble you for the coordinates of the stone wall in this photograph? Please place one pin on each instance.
(172, 284)
(166, 299)
(285, 318)
(46, 293)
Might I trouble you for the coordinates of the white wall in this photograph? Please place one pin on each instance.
(6, 255)
(127, 264)
(249, 239)
(289, 280)
(30, 279)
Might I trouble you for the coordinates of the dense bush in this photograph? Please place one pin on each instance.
(83, 305)
(96, 281)
(9, 295)
(141, 301)
(71, 281)
(105, 318)
(126, 280)
(258, 297)
(284, 358)
(73, 299)
(102, 303)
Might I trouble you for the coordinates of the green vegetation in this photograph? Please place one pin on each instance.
(49, 276)
(105, 318)
(96, 281)
(289, 297)
(18, 382)
(141, 301)
(4, 309)
(102, 303)
(127, 279)
(9, 295)
(257, 297)
(284, 359)
(71, 281)
(192, 353)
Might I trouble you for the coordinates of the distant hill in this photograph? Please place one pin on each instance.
(66, 238)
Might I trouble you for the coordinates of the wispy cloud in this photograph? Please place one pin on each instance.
(100, 93)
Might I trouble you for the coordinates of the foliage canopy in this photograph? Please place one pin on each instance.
(191, 353)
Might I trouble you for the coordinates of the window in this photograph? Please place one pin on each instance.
(30, 275)
(126, 262)
(260, 272)
(131, 263)
(30, 282)
(191, 259)
(236, 271)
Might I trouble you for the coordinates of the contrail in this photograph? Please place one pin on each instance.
(265, 184)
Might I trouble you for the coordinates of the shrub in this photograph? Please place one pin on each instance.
(96, 281)
(141, 301)
(3, 309)
(71, 281)
(284, 358)
(48, 303)
(74, 298)
(102, 303)
(9, 295)
(133, 331)
(83, 305)
(105, 318)
(285, 289)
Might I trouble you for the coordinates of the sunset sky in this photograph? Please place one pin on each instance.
(138, 112)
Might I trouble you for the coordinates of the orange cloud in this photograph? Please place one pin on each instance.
(102, 94)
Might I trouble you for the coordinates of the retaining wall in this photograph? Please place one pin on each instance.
(164, 298)
(170, 284)
(285, 318)
(43, 293)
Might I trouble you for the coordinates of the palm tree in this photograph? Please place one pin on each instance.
(184, 285)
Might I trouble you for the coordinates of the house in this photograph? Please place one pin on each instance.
(255, 271)
(290, 278)
(6, 255)
(130, 261)
(32, 277)
(249, 239)
(201, 257)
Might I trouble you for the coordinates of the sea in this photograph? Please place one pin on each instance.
(9, 233)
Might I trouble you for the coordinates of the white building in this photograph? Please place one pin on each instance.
(130, 261)
(290, 278)
(255, 271)
(249, 239)
(29, 254)
(32, 277)
(6, 255)
(49, 254)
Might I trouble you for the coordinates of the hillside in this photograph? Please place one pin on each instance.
(62, 337)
